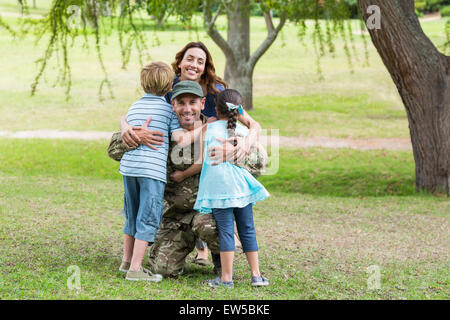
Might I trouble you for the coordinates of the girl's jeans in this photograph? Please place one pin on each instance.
(245, 226)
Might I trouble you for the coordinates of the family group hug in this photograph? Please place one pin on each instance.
(189, 156)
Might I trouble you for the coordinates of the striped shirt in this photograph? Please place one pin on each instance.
(143, 161)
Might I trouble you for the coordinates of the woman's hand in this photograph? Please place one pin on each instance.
(177, 176)
(229, 152)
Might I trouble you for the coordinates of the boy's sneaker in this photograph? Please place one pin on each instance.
(143, 275)
(259, 281)
(219, 283)
(124, 266)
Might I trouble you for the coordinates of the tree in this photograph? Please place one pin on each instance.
(420, 72)
(422, 76)
(240, 62)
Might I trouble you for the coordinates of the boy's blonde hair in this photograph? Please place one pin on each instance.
(157, 78)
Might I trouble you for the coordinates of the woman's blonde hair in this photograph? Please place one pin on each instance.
(157, 78)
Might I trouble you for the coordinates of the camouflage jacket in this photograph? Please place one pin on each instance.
(116, 147)
(179, 198)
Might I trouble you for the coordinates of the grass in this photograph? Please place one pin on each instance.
(333, 214)
(330, 115)
(343, 172)
(42, 6)
(57, 211)
(339, 172)
(287, 92)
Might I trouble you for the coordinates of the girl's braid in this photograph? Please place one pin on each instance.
(234, 97)
(231, 124)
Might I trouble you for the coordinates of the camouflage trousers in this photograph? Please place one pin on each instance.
(176, 238)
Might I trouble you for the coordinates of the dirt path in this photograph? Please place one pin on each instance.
(286, 142)
(360, 144)
(56, 134)
(431, 17)
(20, 15)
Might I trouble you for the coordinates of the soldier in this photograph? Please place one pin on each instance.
(181, 226)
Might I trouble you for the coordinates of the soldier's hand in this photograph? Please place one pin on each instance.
(242, 148)
(150, 138)
(129, 137)
(228, 152)
(177, 176)
(219, 154)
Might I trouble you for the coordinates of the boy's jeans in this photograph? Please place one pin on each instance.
(143, 206)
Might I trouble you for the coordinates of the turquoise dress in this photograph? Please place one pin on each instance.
(225, 185)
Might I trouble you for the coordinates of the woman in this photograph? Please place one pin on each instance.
(194, 62)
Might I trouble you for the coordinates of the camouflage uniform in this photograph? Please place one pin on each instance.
(116, 147)
(181, 226)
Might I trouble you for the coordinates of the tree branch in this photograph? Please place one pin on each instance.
(225, 5)
(272, 34)
(269, 22)
(212, 31)
(213, 20)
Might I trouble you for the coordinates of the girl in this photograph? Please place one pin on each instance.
(229, 192)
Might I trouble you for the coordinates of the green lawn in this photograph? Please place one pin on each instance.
(333, 214)
(287, 92)
(339, 172)
(13, 6)
(60, 208)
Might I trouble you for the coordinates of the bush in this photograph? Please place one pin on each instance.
(420, 6)
(445, 11)
(433, 5)
(255, 10)
(427, 6)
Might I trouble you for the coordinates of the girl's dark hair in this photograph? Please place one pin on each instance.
(209, 77)
(230, 96)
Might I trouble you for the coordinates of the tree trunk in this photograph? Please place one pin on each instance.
(422, 76)
(239, 64)
(159, 19)
(238, 74)
(241, 79)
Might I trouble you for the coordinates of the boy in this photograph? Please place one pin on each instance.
(144, 169)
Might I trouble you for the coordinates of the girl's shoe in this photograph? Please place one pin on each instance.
(143, 274)
(124, 266)
(259, 281)
(219, 283)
